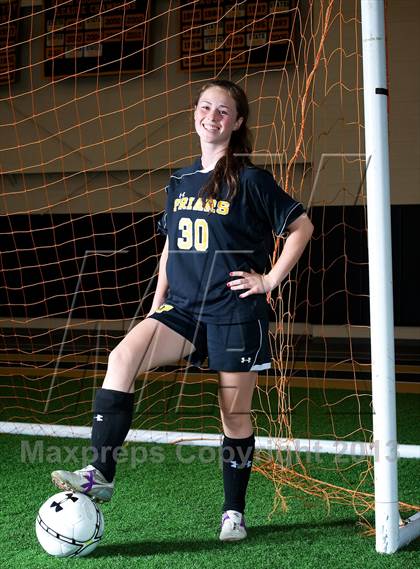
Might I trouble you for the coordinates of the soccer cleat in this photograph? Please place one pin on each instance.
(88, 480)
(233, 526)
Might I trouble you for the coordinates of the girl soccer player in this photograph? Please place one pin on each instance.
(210, 296)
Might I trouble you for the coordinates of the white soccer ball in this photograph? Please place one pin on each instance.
(69, 524)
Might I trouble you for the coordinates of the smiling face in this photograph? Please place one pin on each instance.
(216, 117)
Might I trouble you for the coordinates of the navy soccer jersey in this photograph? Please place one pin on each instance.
(209, 240)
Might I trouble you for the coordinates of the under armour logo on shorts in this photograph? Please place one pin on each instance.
(243, 360)
(98, 417)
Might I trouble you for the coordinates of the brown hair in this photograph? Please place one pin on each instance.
(228, 167)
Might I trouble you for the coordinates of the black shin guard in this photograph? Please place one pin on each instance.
(237, 455)
(113, 413)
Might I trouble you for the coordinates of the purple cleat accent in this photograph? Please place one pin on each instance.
(90, 482)
(233, 526)
(227, 517)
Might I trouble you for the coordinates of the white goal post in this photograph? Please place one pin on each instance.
(391, 533)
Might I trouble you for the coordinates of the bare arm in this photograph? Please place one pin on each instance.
(162, 283)
(300, 232)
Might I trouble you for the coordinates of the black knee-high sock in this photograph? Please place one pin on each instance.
(112, 416)
(237, 455)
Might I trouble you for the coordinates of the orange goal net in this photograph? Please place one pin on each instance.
(96, 112)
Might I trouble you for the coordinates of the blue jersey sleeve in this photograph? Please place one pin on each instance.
(271, 202)
(161, 225)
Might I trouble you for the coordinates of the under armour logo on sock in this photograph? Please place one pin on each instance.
(235, 464)
(243, 360)
(98, 417)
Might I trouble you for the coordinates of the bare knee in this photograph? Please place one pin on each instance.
(120, 356)
(237, 425)
(122, 368)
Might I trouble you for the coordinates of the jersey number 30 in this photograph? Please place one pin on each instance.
(194, 234)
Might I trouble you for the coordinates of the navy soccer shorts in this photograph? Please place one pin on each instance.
(228, 347)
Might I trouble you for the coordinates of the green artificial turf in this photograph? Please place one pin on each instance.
(166, 513)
